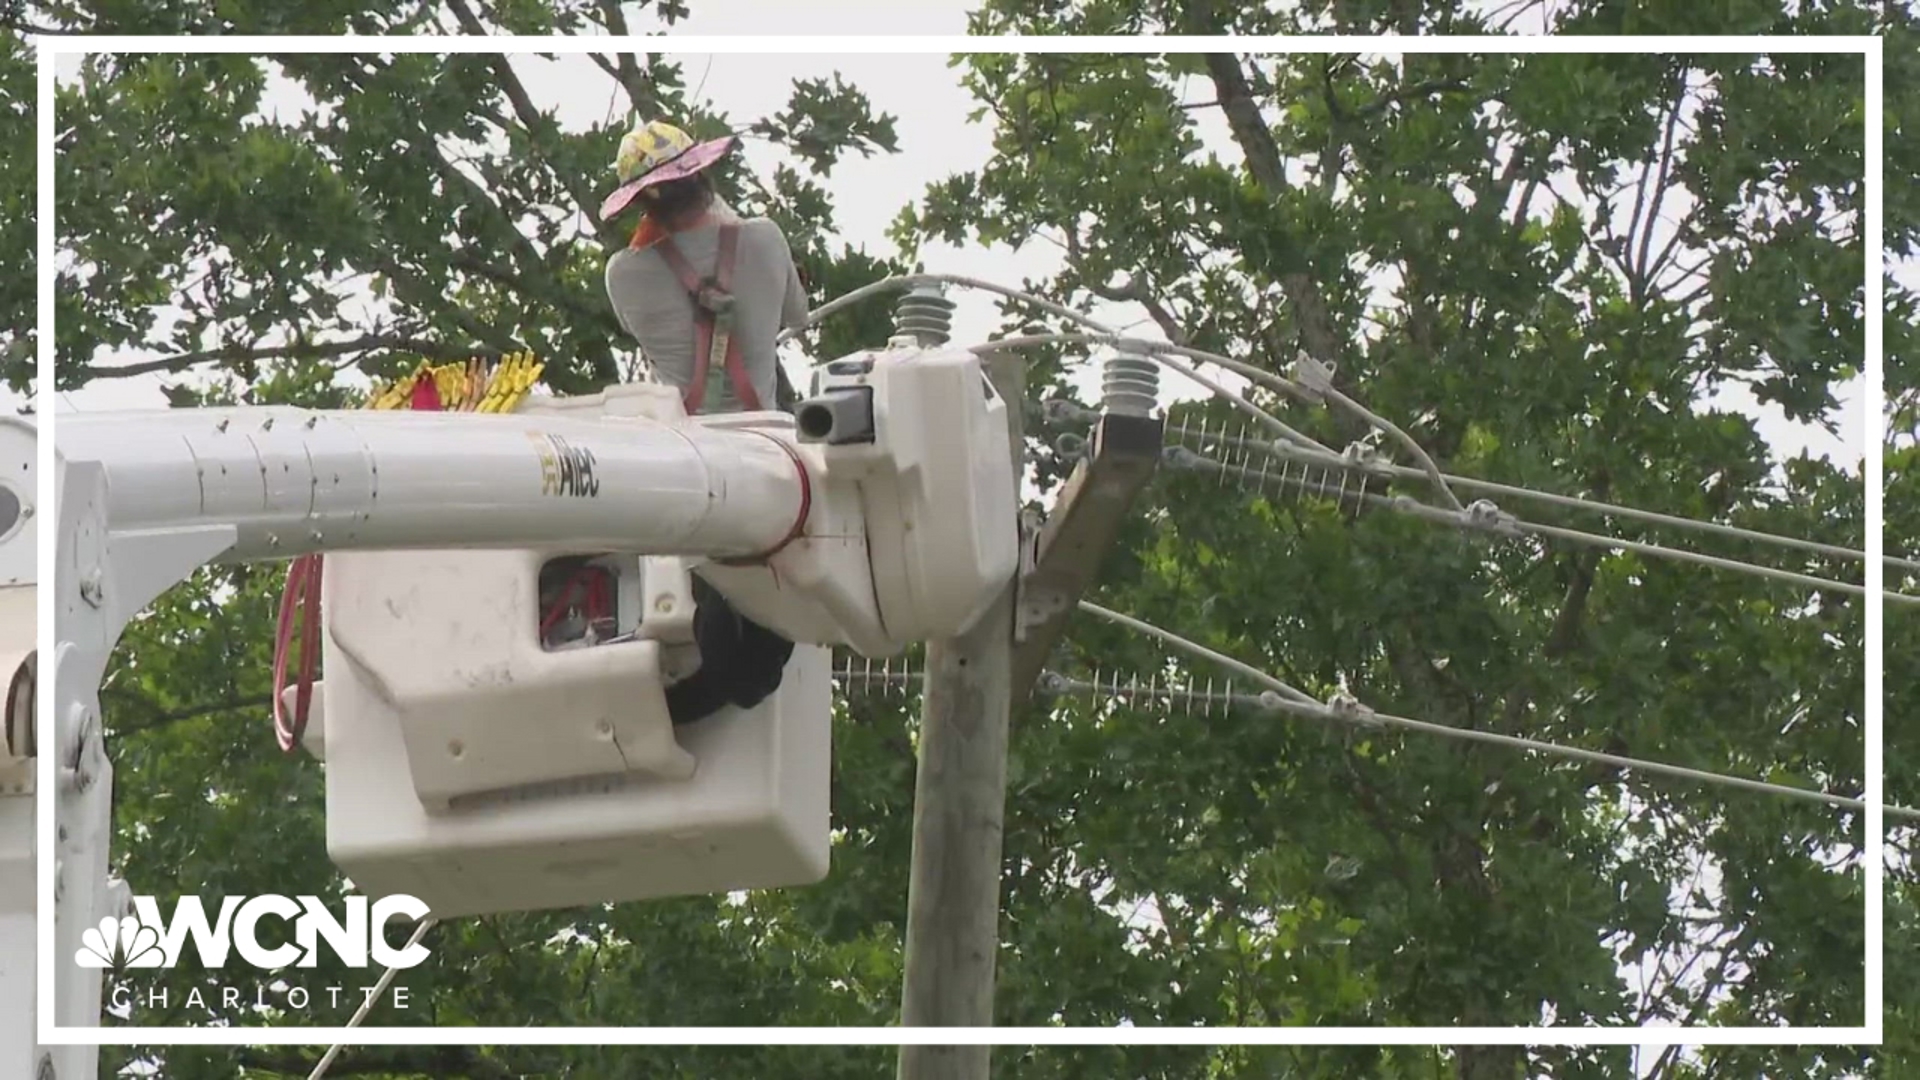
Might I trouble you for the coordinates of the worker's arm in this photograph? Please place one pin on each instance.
(614, 291)
(793, 316)
(793, 309)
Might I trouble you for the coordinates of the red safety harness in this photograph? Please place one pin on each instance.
(716, 348)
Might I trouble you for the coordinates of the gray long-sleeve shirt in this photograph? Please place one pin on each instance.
(655, 309)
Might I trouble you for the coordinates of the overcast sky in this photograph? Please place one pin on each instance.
(936, 140)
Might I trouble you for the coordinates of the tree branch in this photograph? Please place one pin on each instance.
(465, 259)
(538, 124)
(1133, 292)
(1573, 607)
(1562, 638)
(605, 65)
(1264, 160)
(526, 255)
(421, 294)
(158, 719)
(1426, 88)
(642, 94)
(297, 350)
(1660, 183)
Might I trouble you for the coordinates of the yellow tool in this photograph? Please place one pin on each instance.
(473, 386)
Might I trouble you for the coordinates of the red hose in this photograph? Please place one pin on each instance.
(583, 582)
(300, 597)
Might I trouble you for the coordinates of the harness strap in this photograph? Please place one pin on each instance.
(714, 339)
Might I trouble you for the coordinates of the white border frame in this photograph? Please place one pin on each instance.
(1869, 47)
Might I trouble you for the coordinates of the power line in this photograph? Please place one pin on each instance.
(1314, 386)
(865, 676)
(861, 675)
(1343, 708)
(1469, 483)
(386, 979)
(902, 282)
(1484, 517)
(1683, 555)
(1314, 389)
(1102, 334)
(1143, 346)
(1317, 378)
(1284, 689)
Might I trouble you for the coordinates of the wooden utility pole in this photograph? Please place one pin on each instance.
(972, 683)
(959, 807)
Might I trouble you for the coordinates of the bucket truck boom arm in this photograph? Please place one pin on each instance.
(464, 754)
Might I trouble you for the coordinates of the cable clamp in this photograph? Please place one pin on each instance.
(1056, 410)
(1051, 684)
(1180, 457)
(1365, 456)
(1345, 707)
(1314, 377)
(1484, 516)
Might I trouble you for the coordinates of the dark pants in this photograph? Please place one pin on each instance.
(741, 662)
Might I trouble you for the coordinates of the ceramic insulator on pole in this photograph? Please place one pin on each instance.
(1130, 384)
(925, 315)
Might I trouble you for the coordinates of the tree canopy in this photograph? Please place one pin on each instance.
(18, 166)
(1537, 264)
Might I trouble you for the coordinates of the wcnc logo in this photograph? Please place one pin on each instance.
(145, 940)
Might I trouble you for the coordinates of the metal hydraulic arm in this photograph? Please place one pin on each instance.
(276, 482)
(881, 514)
(20, 1051)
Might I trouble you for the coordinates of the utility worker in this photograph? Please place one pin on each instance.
(703, 291)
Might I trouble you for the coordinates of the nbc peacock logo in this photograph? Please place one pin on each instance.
(148, 939)
(120, 944)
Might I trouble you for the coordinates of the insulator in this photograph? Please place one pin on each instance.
(1150, 694)
(1344, 488)
(862, 676)
(1130, 384)
(1251, 463)
(926, 315)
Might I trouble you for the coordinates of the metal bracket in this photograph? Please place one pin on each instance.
(1314, 377)
(1030, 606)
(1088, 513)
(1037, 606)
